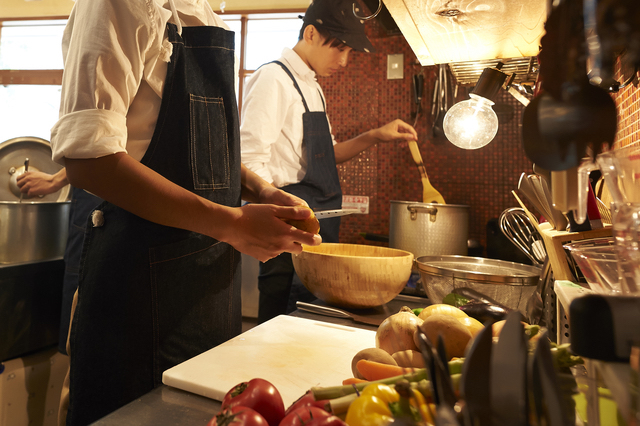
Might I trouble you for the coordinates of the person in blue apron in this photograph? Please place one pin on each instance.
(35, 184)
(286, 136)
(159, 279)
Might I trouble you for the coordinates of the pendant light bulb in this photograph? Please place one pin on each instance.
(471, 124)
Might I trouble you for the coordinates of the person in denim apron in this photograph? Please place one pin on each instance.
(160, 287)
(177, 293)
(287, 140)
(82, 204)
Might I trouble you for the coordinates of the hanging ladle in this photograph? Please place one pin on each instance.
(26, 169)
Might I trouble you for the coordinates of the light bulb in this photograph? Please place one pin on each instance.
(471, 124)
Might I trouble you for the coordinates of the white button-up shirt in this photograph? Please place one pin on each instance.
(115, 54)
(271, 129)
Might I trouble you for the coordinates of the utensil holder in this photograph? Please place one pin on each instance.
(554, 240)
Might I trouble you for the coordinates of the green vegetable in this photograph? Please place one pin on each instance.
(454, 299)
(417, 311)
(563, 357)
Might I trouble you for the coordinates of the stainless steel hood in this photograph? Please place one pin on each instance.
(454, 31)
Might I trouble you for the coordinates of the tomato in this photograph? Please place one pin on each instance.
(330, 420)
(259, 395)
(301, 416)
(304, 401)
(238, 416)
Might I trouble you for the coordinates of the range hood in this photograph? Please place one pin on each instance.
(524, 69)
(466, 31)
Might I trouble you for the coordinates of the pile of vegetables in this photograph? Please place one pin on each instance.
(395, 367)
(390, 381)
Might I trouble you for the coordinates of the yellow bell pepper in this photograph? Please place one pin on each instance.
(379, 404)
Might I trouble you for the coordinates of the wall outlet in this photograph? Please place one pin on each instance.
(395, 67)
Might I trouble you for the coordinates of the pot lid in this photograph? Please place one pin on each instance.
(13, 153)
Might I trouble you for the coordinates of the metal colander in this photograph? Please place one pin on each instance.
(508, 283)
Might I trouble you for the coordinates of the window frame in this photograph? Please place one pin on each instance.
(54, 76)
(51, 77)
(245, 16)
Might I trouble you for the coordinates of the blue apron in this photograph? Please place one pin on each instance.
(152, 296)
(278, 283)
(82, 204)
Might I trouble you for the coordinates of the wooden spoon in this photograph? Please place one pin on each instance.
(429, 193)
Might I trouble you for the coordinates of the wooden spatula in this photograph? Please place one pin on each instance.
(429, 193)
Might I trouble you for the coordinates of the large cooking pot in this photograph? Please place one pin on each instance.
(427, 229)
(31, 229)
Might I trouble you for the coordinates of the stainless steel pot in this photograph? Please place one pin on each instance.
(426, 229)
(31, 229)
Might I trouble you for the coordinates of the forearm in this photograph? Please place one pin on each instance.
(127, 183)
(345, 151)
(395, 131)
(59, 179)
(252, 185)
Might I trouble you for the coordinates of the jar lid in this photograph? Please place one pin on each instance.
(13, 153)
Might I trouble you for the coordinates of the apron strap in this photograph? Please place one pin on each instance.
(295, 84)
(176, 18)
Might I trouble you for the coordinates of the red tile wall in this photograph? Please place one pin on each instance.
(360, 98)
(628, 105)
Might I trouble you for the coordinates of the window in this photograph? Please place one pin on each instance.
(30, 77)
(260, 38)
(31, 65)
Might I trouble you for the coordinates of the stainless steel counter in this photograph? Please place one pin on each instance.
(167, 406)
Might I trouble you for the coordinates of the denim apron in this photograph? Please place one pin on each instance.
(82, 204)
(152, 296)
(279, 286)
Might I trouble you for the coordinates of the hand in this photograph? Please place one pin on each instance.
(396, 131)
(38, 183)
(273, 195)
(260, 231)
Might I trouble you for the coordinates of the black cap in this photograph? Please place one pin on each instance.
(336, 17)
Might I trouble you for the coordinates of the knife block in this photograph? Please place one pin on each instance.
(553, 242)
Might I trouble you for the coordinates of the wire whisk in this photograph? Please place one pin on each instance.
(516, 225)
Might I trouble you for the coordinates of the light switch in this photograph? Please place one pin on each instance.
(395, 67)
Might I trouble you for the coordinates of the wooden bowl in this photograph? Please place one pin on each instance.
(353, 275)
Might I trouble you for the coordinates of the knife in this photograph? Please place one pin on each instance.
(337, 313)
(324, 214)
(508, 375)
(545, 387)
(474, 383)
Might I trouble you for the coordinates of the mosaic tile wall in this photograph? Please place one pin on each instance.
(628, 105)
(360, 98)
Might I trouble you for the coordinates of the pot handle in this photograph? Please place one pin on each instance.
(414, 209)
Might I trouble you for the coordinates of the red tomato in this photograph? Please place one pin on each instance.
(301, 416)
(238, 416)
(330, 420)
(259, 395)
(306, 400)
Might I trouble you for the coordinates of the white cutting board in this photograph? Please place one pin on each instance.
(292, 353)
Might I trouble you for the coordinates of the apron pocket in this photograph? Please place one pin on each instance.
(209, 166)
